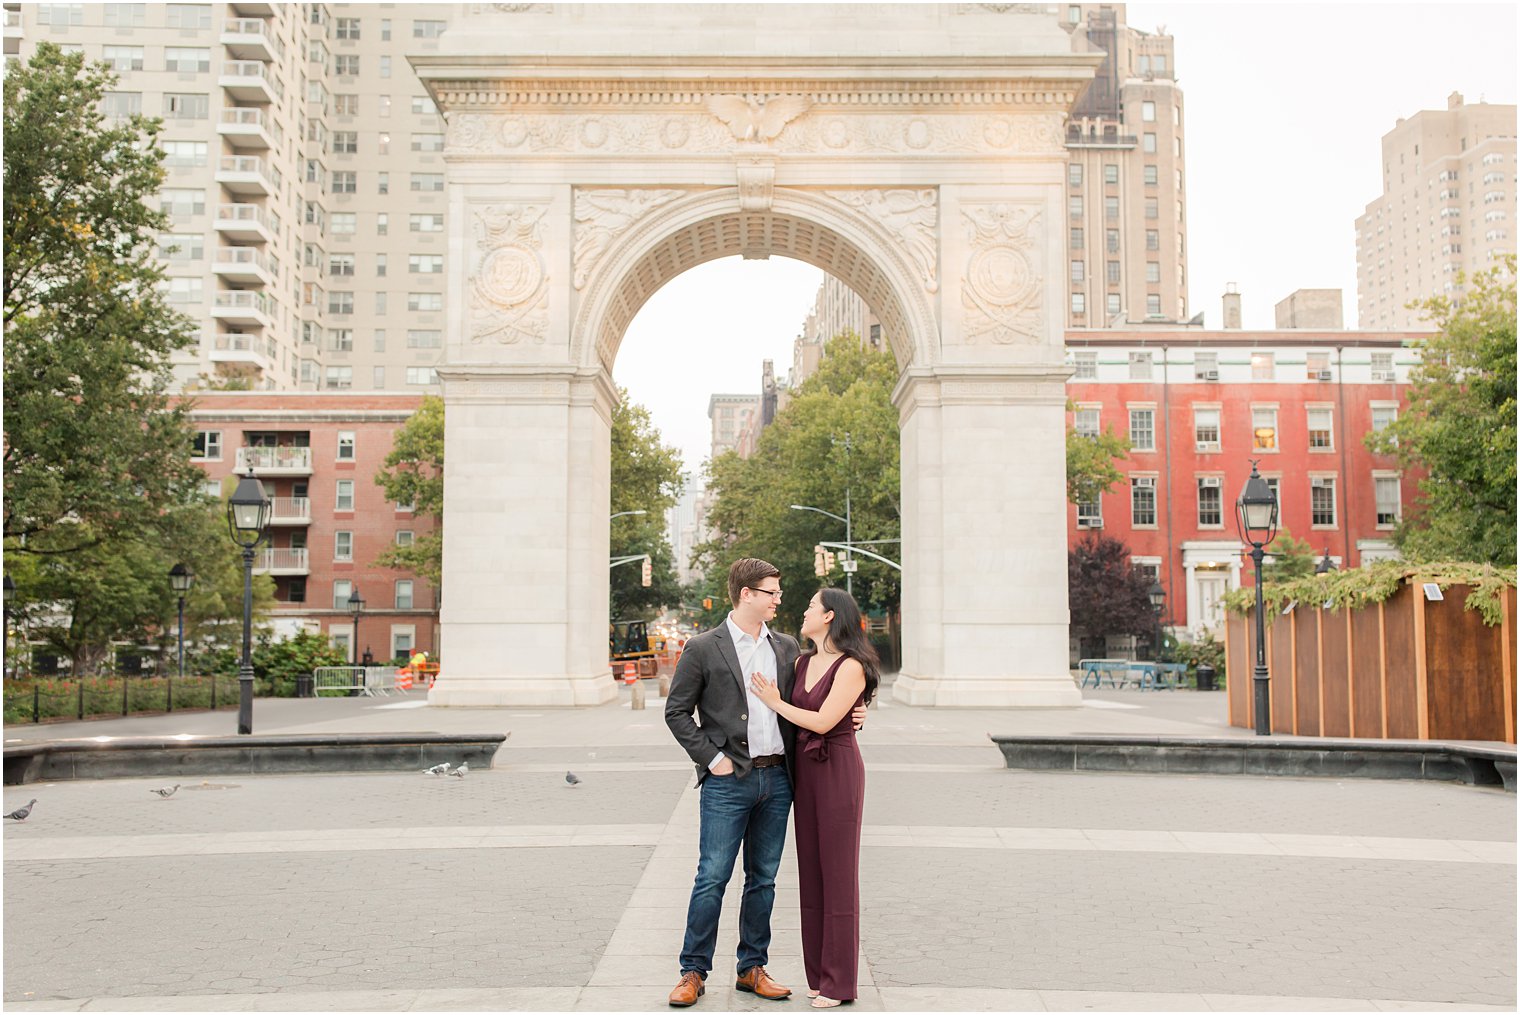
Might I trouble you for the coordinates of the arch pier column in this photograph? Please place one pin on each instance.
(525, 535)
(984, 602)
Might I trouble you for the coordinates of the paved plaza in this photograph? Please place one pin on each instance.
(982, 888)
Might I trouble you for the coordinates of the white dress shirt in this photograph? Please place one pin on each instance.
(764, 726)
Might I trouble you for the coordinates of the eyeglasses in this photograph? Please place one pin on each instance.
(773, 593)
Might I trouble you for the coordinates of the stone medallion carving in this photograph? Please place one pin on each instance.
(509, 293)
(1002, 288)
(757, 120)
(911, 216)
(601, 216)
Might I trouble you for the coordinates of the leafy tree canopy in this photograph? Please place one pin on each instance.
(1460, 427)
(1106, 592)
(1090, 468)
(413, 474)
(646, 476)
(93, 450)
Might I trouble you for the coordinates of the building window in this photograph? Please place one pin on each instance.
(182, 203)
(207, 446)
(403, 594)
(425, 223)
(1111, 208)
(125, 16)
(340, 378)
(379, 339)
(1150, 176)
(1090, 513)
(1113, 272)
(1078, 304)
(424, 301)
(1263, 428)
(1388, 500)
(181, 246)
(345, 498)
(1111, 172)
(1142, 501)
(58, 15)
(405, 537)
(346, 105)
(1263, 366)
(1140, 366)
(345, 445)
(421, 375)
(1210, 503)
(342, 589)
(382, 224)
(379, 378)
(1085, 421)
(345, 142)
(1320, 421)
(381, 299)
(1206, 367)
(346, 65)
(347, 29)
(1142, 429)
(1153, 271)
(340, 265)
(187, 60)
(1148, 144)
(1317, 366)
(1148, 112)
(1206, 429)
(427, 182)
(341, 340)
(122, 58)
(424, 106)
(1114, 306)
(428, 29)
(344, 223)
(1383, 416)
(1075, 241)
(183, 290)
(189, 16)
(1152, 239)
(1074, 174)
(120, 105)
(1322, 502)
(343, 545)
(187, 106)
(1078, 271)
(1074, 208)
(1153, 305)
(340, 302)
(1152, 208)
(345, 181)
(1112, 241)
(427, 142)
(1087, 366)
(427, 338)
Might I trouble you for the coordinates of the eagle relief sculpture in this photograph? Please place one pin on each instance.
(757, 120)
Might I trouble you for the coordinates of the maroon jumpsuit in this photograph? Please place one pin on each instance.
(829, 795)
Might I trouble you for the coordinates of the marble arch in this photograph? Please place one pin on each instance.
(593, 152)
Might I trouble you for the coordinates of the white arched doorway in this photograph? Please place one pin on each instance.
(577, 191)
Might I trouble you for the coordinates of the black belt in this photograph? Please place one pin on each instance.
(769, 760)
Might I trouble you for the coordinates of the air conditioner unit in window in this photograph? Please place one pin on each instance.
(1382, 375)
(1322, 375)
(1211, 375)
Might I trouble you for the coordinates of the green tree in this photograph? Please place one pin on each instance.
(1290, 558)
(646, 476)
(1106, 592)
(93, 449)
(839, 432)
(1090, 468)
(1460, 427)
(413, 474)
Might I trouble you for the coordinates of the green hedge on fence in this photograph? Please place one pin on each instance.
(29, 701)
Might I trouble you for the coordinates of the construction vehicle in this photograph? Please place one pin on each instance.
(628, 641)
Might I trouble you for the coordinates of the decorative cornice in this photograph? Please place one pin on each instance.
(583, 95)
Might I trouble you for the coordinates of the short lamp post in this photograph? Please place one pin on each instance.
(356, 607)
(1325, 565)
(1158, 601)
(180, 580)
(10, 594)
(248, 512)
(1256, 516)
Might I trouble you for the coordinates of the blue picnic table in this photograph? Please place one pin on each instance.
(1122, 672)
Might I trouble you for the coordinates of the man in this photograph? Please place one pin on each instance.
(743, 752)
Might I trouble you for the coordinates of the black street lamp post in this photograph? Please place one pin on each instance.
(356, 607)
(248, 521)
(1158, 601)
(1256, 516)
(180, 580)
(10, 593)
(1325, 565)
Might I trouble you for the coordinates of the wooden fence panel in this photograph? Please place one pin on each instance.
(1280, 669)
(1399, 662)
(1237, 668)
(1465, 687)
(1335, 674)
(1306, 676)
(1366, 667)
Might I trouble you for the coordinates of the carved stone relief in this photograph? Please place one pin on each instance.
(757, 120)
(909, 215)
(509, 291)
(601, 216)
(1001, 292)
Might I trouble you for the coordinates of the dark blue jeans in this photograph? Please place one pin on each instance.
(751, 811)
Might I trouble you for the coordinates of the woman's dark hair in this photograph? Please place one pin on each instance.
(849, 636)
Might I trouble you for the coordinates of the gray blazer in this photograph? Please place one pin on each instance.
(707, 681)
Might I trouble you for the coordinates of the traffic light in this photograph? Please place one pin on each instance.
(818, 561)
(648, 578)
(707, 603)
(828, 561)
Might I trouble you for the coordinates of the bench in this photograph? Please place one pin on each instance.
(1142, 673)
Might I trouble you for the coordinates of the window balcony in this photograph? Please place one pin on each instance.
(244, 265)
(246, 222)
(282, 560)
(243, 307)
(248, 128)
(250, 81)
(290, 511)
(12, 23)
(281, 461)
(250, 39)
(246, 175)
(248, 349)
(250, 10)
(1076, 137)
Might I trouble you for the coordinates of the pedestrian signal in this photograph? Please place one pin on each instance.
(648, 578)
(828, 561)
(818, 568)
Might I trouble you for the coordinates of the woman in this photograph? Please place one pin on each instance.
(829, 788)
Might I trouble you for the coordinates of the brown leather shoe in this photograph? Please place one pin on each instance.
(688, 990)
(757, 981)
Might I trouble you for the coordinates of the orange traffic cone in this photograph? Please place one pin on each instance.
(630, 673)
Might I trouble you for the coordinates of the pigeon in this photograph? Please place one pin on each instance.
(440, 769)
(21, 814)
(572, 778)
(166, 792)
(462, 770)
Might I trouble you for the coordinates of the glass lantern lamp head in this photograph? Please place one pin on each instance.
(1157, 594)
(1256, 510)
(248, 511)
(180, 578)
(355, 603)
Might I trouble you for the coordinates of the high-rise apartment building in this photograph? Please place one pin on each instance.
(305, 180)
(1126, 181)
(1447, 206)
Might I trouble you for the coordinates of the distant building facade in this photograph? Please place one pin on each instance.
(1447, 207)
(317, 455)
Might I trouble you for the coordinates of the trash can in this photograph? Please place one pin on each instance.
(1206, 675)
(304, 683)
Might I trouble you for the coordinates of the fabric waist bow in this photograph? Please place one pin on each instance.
(816, 745)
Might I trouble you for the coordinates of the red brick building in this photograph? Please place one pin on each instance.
(317, 455)
(1197, 406)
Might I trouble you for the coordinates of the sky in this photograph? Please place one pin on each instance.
(1285, 108)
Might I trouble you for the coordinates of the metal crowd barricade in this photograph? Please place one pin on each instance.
(379, 680)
